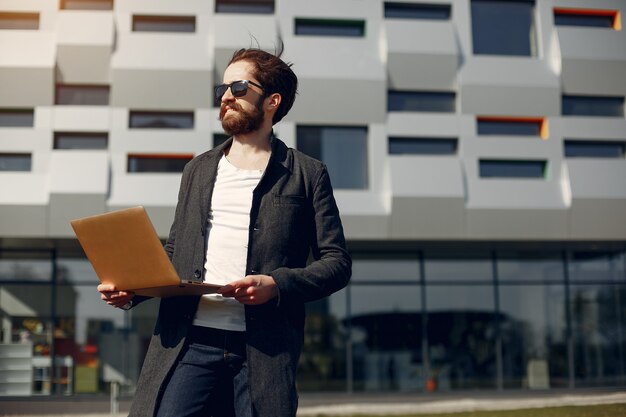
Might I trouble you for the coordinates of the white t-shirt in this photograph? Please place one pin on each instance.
(227, 244)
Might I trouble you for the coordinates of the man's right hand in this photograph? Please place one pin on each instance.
(113, 297)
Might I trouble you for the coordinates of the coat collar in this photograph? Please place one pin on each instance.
(277, 166)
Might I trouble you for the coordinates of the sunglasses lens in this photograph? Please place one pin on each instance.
(239, 88)
(220, 90)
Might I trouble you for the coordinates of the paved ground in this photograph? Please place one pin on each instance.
(342, 404)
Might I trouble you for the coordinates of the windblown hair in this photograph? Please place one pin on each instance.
(275, 75)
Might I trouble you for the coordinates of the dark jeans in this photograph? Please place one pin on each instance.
(211, 377)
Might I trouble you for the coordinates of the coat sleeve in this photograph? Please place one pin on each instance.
(332, 267)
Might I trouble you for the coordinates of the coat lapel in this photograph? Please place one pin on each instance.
(207, 172)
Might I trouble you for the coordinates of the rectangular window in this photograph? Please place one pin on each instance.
(17, 117)
(145, 23)
(330, 27)
(19, 21)
(417, 11)
(244, 6)
(15, 161)
(422, 146)
(158, 162)
(490, 168)
(421, 101)
(343, 149)
(587, 18)
(80, 140)
(515, 126)
(503, 27)
(219, 138)
(87, 4)
(593, 106)
(594, 149)
(160, 120)
(82, 95)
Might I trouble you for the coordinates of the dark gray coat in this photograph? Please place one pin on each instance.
(293, 214)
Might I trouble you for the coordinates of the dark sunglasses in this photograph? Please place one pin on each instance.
(237, 88)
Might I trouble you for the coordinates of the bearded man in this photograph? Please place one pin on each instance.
(249, 213)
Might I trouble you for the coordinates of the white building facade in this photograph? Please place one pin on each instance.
(477, 149)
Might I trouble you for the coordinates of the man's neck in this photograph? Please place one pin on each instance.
(250, 151)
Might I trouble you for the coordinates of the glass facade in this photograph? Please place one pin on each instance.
(421, 320)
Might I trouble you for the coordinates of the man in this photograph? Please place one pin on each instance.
(249, 214)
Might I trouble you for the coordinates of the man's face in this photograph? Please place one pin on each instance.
(241, 115)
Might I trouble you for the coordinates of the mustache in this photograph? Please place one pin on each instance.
(233, 106)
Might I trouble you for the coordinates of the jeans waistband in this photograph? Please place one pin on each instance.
(229, 340)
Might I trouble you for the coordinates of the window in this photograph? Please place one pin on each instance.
(160, 120)
(503, 27)
(21, 21)
(87, 4)
(518, 126)
(593, 106)
(328, 27)
(15, 162)
(512, 169)
(343, 149)
(80, 140)
(422, 146)
(82, 95)
(144, 23)
(158, 162)
(17, 118)
(587, 17)
(244, 6)
(417, 11)
(421, 101)
(219, 138)
(594, 149)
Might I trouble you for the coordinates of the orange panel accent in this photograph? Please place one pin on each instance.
(161, 155)
(544, 132)
(615, 14)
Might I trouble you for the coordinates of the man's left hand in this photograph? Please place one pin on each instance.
(252, 290)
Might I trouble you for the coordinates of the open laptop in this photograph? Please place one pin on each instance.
(125, 251)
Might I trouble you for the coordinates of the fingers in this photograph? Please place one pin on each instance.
(252, 290)
(112, 297)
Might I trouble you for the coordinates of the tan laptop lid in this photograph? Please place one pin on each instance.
(125, 250)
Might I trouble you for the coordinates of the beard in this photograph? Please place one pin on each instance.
(241, 121)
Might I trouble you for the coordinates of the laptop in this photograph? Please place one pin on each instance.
(125, 250)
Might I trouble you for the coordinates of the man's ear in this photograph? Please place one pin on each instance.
(273, 101)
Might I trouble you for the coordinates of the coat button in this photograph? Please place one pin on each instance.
(197, 273)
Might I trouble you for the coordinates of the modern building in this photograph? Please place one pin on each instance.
(477, 149)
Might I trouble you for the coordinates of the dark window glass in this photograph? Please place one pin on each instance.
(15, 162)
(508, 127)
(512, 169)
(160, 120)
(80, 140)
(16, 20)
(244, 6)
(142, 23)
(417, 11)
(87, 4)
(503, 27)
(219, 138)
(327, 27)
(421, 101)
(598, 20)
(422, 146)
(461, 334)
(82, 95)
(157, 163)
(602, 266)
(593, 106)
(342, 149)
(594, 149)
(17, 117)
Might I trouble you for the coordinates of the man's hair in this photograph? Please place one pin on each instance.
(273, 74)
